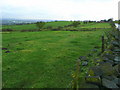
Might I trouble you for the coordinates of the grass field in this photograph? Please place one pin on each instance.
(45, 59)
(33, 26)
(55, 25)
(98, 25)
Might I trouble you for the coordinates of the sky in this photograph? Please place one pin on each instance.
(60, 9)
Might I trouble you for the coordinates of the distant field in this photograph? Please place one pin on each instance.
(44, 59)
(33, 26)
(0, 26)
(55, 25)
(98, 25)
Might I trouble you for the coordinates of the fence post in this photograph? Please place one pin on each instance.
(103, 42)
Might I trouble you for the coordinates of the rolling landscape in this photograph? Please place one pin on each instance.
(42, 55)
(57, 53)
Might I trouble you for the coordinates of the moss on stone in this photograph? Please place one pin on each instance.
(93, 79)
(91, 73)
(107, 69)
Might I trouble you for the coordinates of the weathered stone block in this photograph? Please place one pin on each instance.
(107, 69)
(108, 84)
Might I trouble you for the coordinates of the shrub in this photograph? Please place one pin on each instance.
(40, 24)
(75, 23)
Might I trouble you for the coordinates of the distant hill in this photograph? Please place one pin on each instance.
(21, 21)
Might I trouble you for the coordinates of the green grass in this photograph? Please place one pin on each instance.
(20, 27)
(98, 25)
(55, 25)
(44, 59)
(33, 26)
(58, 23)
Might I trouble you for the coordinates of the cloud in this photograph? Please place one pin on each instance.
(60, 9)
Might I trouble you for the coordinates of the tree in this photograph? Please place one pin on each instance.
(110, 20)
(118, 21)
(76, 23)
(40, 24)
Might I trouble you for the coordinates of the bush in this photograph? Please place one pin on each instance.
(75, 23)
(118, 21)
(40, 24)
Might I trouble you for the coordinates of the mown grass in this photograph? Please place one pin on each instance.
(44, 59)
